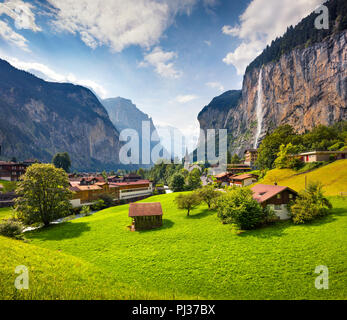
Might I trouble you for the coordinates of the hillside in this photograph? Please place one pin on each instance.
(39, 119)
(333, 176)
(300, 80)
(194, 256)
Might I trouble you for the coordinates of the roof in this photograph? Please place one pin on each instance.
(263, 192)
(321, 152)
(131, 183)
(222, 175)
(145, 209)
(242, 177)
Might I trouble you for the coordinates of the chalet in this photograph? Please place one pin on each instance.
(277, 197)
(243, 180)
(131, 177)
(11, 171)
(238, 168)
(136, 189)
(316, 156)
(251, 156)
(146, 215)
(224, 178)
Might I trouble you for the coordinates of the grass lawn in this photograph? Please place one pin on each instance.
(5, 213)
(189, 257)
(332, 176)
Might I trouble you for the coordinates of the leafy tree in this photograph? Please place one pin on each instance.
(141, 173)
(188, 201)
(104, 175)
(209, 194)
(44, 194)
(238, 207)
(62, 160)
(284, 157)
(194, 179)
(177, 182)
(310, 204)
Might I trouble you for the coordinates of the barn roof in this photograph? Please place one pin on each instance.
(263, 192)
(145, 209)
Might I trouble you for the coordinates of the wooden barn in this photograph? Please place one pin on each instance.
(146, 215)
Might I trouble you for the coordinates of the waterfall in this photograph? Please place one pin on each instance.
(260, 114)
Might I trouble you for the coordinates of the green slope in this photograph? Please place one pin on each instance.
(193, 256)
(332, 176)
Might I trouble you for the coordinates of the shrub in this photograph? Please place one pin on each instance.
(108, 200)
(310, 204)
(238, 207)
(85, 210)
(11, 228)
(177, 182)
(98, 205)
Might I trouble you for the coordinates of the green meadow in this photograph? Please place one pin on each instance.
(97, 257)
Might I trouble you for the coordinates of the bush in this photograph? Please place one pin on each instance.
(310, 204)
(98, 205)
(11, 228)
(238, 207)
(85, 210)
(108, 200)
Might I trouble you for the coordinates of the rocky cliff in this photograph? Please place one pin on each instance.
(39, 118)
(306, 87)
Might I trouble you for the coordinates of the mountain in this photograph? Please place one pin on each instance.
(304, 86)
(39, 118)
(125, 115)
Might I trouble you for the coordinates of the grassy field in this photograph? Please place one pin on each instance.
(189, 257)
(5, 213)
(332, 176)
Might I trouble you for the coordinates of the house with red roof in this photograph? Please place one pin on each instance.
(242, 180)
(276, 197)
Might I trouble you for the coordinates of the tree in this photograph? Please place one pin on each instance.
(141, 173)
(44, 194)
(104, 175)
(285, 159)
(238, 207)
(208, 194)
(62, 160)
(194, 179)
(188, 201)
(177, 182)
(310, 204)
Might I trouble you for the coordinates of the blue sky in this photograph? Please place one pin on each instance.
(170, 57)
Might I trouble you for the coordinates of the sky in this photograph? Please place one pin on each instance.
(170, 57)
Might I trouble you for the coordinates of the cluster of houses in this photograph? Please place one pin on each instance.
(130, 187)
(11, 171)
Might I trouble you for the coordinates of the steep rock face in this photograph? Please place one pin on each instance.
(306, 87)
(39, 118)
(125, 115)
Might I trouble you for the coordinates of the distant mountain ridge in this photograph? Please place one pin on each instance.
(39, 118)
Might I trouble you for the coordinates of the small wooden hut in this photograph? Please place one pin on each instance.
(146, 215)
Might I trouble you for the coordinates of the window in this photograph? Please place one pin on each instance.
(278, 207)
(279, 196)
(290, 196)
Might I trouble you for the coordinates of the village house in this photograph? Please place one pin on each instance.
(223, 178)
(146, 215)
(238, 168)
(243, 180)
(11, 171)
(276, 197)
(251, 156)
(316, 156)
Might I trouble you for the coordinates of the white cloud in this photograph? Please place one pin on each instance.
(49, 74)
(118, 23)
(262, 22)
(8, 34)
(185, 98)
(162, 63)
(23, 17)
(215, 85)
(208, 43)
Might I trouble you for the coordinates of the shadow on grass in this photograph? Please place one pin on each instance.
(166, 225)
(202, 214)
(58, 232)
